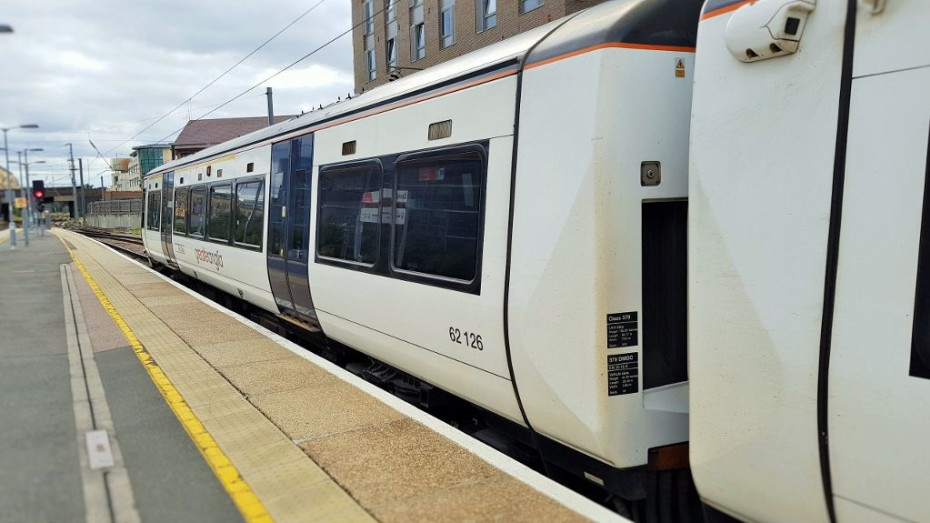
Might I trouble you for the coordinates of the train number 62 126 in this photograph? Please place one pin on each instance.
(469, 339)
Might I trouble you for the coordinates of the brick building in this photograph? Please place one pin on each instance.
(398, 37)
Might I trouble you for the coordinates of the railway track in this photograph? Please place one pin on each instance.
(126, 243)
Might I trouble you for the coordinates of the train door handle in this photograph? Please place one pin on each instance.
(767, 28)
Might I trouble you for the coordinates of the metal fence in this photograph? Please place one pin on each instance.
(114, 214)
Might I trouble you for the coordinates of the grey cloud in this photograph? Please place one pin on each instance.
(105, 70)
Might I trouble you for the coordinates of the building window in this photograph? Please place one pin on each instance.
(369, 39)
(486, 14)
(417, 31)
(369, 17)
(391, 53)
(437, 216)
(390, 10)
(349, 224)
(447, 23)
(372, 66)
(528, 5)
(419, 42)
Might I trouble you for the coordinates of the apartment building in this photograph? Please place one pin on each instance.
(393, 38)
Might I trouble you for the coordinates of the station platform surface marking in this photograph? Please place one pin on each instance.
(265, 474)
(57, 396)
(312, 441)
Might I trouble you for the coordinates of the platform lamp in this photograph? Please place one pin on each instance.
(9, 185)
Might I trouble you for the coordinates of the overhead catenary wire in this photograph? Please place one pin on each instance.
(101, 157)
(292, 64)
(227, 71)
(144, 120)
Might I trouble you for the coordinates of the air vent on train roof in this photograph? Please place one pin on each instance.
(439, 130)
(348, 148)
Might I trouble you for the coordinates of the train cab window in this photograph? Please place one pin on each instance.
(181, 196)
(438, 215)
(153, 216)
(250, 214)
(198, 207)
(220, 212)
(349, 224)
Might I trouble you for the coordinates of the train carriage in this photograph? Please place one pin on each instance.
(500, 226)
(514, 227)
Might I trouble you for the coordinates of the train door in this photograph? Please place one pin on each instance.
(764, 133)
(289, 227)
(879, 377)
(167, 213)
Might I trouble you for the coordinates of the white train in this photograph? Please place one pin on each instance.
(808, 266)
(512, 227)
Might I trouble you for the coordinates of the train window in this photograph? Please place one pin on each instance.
(180, 210)
(437, 215)
(349, 224)
(277, 197)
(220, 212)
(153, 216)
(250, 214)
(198, 206)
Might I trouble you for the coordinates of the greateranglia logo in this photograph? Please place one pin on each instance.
(212, 258)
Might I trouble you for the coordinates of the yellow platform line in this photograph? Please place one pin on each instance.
(252, 509)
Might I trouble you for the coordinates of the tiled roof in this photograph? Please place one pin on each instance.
(204, 133)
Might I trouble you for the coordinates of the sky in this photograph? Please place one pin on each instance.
(104, 70)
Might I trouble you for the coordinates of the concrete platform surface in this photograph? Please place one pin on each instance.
(288, 436)
(67, 371)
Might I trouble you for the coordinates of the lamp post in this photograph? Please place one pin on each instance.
(9, 188)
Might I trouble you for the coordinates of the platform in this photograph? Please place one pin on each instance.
(209, 417)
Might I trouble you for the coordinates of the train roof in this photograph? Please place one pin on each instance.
(649, 24)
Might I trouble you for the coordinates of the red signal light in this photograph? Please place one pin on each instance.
(38, 189)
